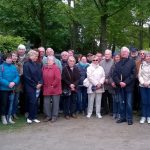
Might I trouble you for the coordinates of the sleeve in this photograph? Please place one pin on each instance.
(102, 80)
(90, 76)
(65, 78)
(17, 79)
(27, 76)
(116, 76)
(132, 76)
(2, 80)
(77, 76)
(141, 80)
(57, 74)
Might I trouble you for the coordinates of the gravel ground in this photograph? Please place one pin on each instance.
(78, 134)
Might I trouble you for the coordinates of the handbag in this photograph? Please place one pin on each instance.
(66, 92)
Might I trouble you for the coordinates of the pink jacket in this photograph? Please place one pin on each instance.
(51, 80)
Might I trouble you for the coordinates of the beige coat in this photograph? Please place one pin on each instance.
(95, 75)
(144, 73)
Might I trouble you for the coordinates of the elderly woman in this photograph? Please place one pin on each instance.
(70, 79)
(94, 84)
(51, 89)
(33, 81)
(144, 79)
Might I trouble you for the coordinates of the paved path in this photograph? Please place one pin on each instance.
(78, 134)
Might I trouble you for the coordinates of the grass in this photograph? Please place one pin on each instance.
(19, 123)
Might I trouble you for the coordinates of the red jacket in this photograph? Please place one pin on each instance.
(51, 80)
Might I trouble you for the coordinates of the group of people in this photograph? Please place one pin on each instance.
(107, 83)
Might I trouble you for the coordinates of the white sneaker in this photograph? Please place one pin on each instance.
(88, 115)
(36, 121)
(148, 120)
(143, 119)
(99, 116)
(29, 121)
(10, 120)
(4, 121)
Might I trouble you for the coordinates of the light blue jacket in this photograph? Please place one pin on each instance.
(8, 73)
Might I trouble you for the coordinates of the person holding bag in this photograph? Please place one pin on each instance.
(70, 79)
(94, 83)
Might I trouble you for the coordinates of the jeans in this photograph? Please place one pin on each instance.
(15, 104)
(10, 103)
(70, 104)
(82, 99)
(116, 104)
(145, 101)
(126, 105)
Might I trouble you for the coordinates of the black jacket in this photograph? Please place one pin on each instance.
(32, 74)
(125, 71)
(70, 77)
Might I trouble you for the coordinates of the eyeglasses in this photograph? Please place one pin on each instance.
(95, 60)
(141, 53)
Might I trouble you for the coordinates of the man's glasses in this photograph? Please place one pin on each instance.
(95, 60)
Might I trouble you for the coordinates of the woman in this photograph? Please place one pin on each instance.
(33, 81)
(51, 89)
(114, 90)
(9, 78)
(144, 79)
(70, 79)
(82, 90)
(18, 87)
(94, 84)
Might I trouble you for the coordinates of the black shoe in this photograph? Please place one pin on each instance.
(121, 121)
(130, 122)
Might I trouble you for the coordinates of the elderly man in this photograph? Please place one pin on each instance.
(107, 97)
(41, 51)
(50, 52)
(22, 58)
(124, 77)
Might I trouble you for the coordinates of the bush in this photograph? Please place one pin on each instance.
(10, 43)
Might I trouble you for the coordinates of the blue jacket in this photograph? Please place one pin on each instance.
(83, 71)
(8, 73)
(32, 74)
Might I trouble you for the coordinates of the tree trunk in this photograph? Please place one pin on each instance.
(103, 33)
(141, 34)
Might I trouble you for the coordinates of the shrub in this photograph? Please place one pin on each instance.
(10, 43)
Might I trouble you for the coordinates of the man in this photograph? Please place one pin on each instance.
(41, 51)
(124, 77)
(50, 52)
(89, 57)
(22, 58)
(100, 56)
(107, 97)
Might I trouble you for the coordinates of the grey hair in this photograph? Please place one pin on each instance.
(33, 53)
(64, 52)
(125, 49)
(71, 58)
(147, 53)
(51, 58)
(107, 50)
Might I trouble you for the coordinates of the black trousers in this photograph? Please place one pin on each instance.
(107, 102)
(4, 97)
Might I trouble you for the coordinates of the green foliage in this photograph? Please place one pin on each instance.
(10, 43)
